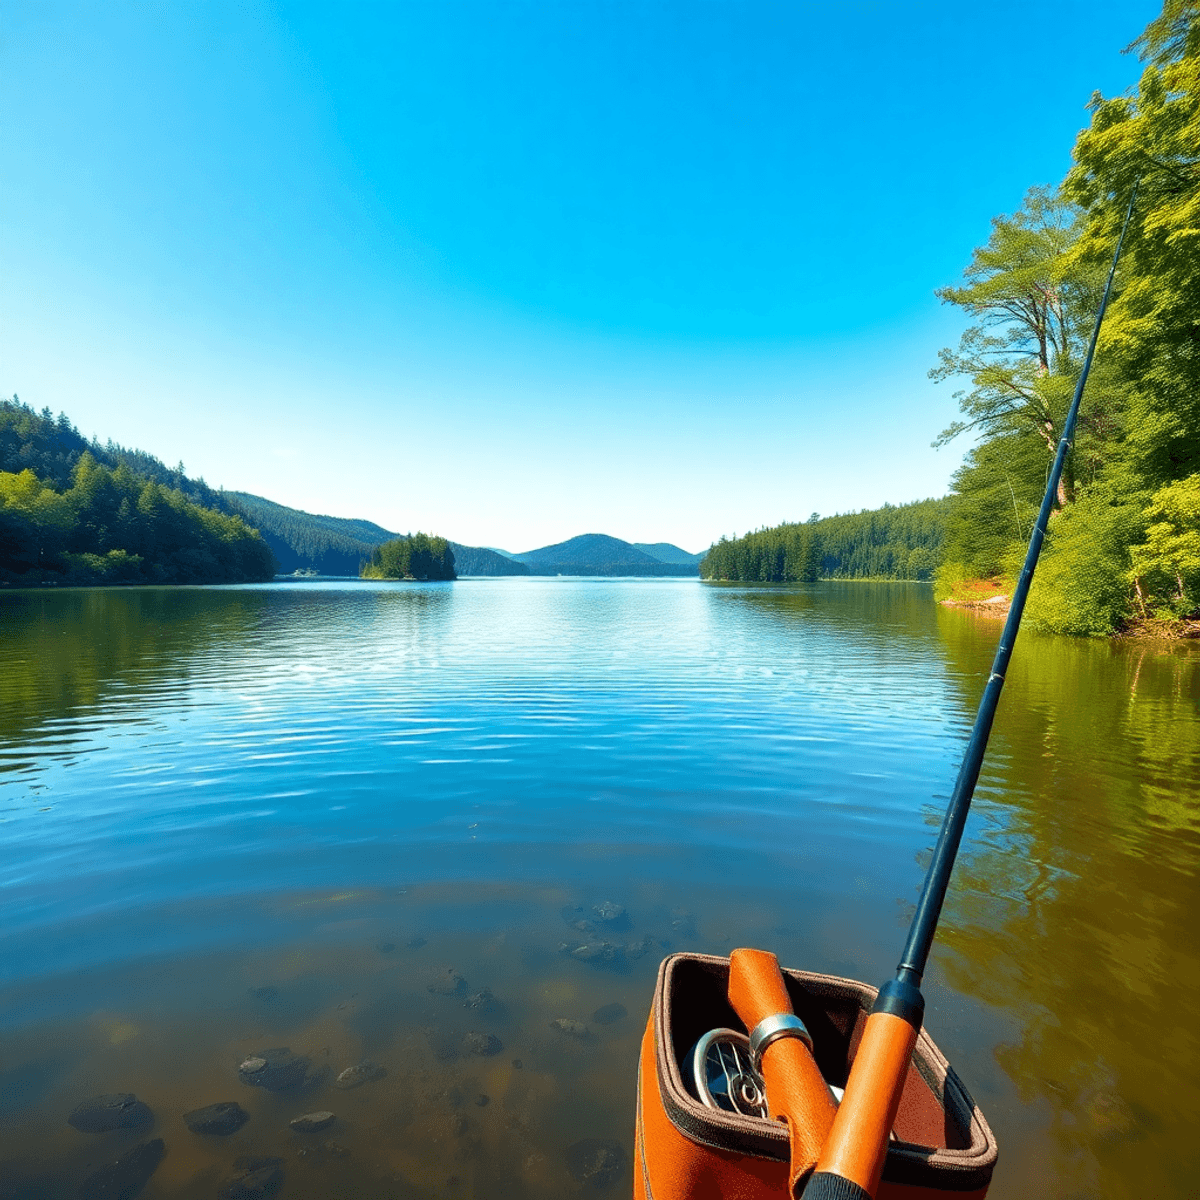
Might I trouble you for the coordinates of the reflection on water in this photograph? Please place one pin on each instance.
(211, 800)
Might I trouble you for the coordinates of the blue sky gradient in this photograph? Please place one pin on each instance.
(512, 272)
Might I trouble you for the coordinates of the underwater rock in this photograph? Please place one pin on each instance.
(481, 999)
(123, 1179)
(483, 1044)
(575, 1029)
(458, 1124)
(446, 981)
(264, 993)
(386, 947)
(220, 1120)
(517, 1064)
(312, 1122)
(591, 952)
(482, 1101)
(277, 1070)
(257, 1177)
(363, 1072)
(120, 1110)
(635, 950)
(609, 1013)
(596, 1163)
(415, 943)
(610, 912)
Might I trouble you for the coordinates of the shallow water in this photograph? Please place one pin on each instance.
(244, 818)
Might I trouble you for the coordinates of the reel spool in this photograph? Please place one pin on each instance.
(719, 1074)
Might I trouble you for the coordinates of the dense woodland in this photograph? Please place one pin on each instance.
(901, 542)
(308, 541)
(417, 556)
(1124, 542)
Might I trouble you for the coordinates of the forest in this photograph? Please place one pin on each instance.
(894, 542)
(116, 527)
(1123, 545)
(75, 512)
(417, 556)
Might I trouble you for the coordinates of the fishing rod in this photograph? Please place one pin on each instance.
(851, 1160)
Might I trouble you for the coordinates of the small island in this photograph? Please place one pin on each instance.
(417, 556)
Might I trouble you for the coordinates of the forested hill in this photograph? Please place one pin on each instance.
(893, 542)
(73, 511)
(309, 541)
(599, 554)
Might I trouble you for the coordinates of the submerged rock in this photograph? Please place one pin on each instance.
(636, 950)
(312, 1122)
(360, 1073)
(119, 1110)
(481, 999)
(483, 1044)
(415, 943)
(609, 1013)
(447, 982)
(575, 1029)
(595, 952)
(257, 1177)
(277, 1070)
(123, 1179)
(596, 1163)
(264, 993)
(610, 913)
(219, 1120)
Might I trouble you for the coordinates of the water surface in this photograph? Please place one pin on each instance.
(241, 818)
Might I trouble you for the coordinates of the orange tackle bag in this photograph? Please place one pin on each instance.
(689, 1150)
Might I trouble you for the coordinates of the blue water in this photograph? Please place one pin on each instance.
(197, 783)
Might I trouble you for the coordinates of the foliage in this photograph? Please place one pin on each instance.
(903, 542)
(417, 556)
(308, 541)
(1165, 568)
(1138, 443)
(115, 527)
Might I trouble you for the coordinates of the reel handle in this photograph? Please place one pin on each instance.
(796, 1091)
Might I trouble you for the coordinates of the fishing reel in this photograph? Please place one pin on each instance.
(719, 1072)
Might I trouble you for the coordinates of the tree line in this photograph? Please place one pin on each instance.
(417, 556)
(893, 542)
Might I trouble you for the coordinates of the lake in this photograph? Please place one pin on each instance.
(376, 821)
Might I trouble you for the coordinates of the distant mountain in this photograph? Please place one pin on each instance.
(337, 545)
(480, 560)
(599, 554)
(668, 553)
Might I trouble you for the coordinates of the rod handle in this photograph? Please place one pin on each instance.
(857, 1144)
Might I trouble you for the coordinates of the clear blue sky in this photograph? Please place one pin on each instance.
(512, 272)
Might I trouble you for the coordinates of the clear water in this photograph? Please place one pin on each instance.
(244, 818)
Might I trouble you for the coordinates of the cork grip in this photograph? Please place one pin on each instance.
(796, 1092)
